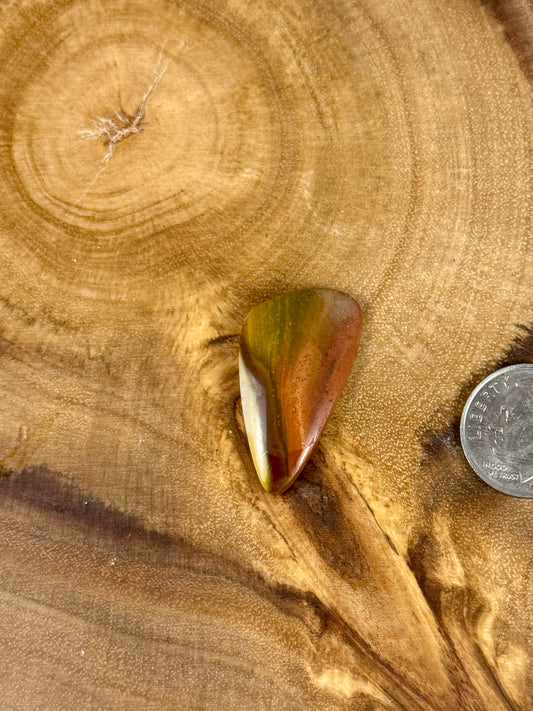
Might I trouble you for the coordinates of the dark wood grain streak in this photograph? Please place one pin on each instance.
(317, 508)
(516, 19)
(123, 536)
(98, 529)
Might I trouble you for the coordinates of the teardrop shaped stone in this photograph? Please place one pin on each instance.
(296, 352)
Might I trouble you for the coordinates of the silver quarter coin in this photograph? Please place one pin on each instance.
(497, 430)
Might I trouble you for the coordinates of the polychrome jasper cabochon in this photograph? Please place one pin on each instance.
(296, 352)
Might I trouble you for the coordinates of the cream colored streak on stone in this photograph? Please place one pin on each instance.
(254, 411)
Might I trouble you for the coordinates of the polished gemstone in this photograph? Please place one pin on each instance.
(296, 352)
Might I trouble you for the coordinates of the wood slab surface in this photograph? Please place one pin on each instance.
(165, 166)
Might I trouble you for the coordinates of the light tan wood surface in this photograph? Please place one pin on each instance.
(164, 167)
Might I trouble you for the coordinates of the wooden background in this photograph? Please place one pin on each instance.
(165, 165)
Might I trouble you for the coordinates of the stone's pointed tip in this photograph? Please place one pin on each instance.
(296, 353)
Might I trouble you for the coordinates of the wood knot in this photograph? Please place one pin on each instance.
(115, 128)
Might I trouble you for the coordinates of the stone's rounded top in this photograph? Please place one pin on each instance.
(296, 353)
(302, 298)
